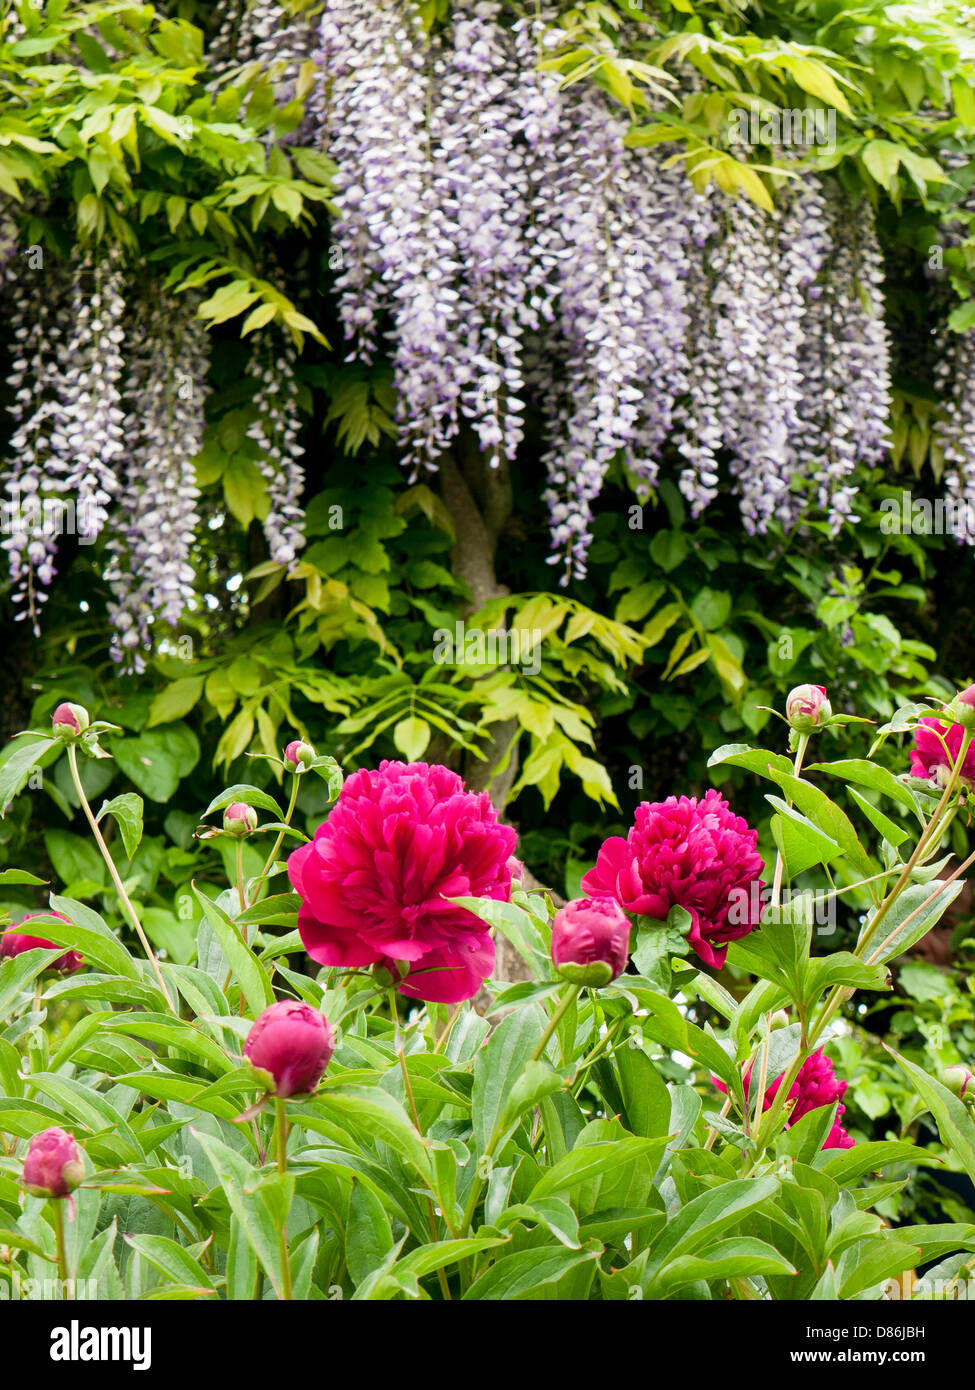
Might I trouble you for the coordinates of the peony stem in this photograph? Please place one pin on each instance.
(779, 861)
(445, 1035)
(128, 909)
(281, 1148)
(565, 1003)
(401, 1054)
(58, 1205)
(275, 848)
(921, 845)
(239, 871)
(604, 1044)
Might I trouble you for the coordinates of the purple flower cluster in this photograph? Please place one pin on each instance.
(150, 570)
(955, 431)
(34, 483)
(512, 244)
(275, 431)
(844, 363)
(66, 444)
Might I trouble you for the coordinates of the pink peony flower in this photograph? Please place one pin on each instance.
(53, 1166)
(400, 841)
(928, 756)
(591, 940)
(293, 1042)
(14, 943)
(816, 1085)
(692, 853)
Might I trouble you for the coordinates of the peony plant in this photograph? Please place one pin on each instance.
(337, 1098)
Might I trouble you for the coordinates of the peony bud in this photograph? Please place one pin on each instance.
(53, 1166)
(960, 1082)
(807, 708)
(516, 869)
(298, 756)
(70, 720)
(780, 1019)
(591, 940)
(962, 708)
(294, 1044)
(14, 943)
(239, 818)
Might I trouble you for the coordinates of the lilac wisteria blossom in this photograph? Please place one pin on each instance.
(35, 502)
(396, 231)
(150, 570)
(845, 363)
(275, 431)
(90, 388)
(483, 173)
(279, 39)
(954, 432)
(66, 443)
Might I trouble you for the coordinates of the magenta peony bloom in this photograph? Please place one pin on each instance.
(816, 1085)
(15, 943)
(294, 1043)
(591, 940)
(928, 756)
(692, 853)
(53, 1166)
(807, 708)
(400, 841)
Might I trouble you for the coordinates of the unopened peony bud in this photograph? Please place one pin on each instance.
(780, 1019)
(239, 818)
(70, 720)
(807, 708)
(516, 869)
(960, 1082)
(962, 708)
(294, 1044)
(53, 1166)
(591, 940)
(298, 756)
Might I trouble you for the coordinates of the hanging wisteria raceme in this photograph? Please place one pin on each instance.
(955, 430)
(483, 173)
(671, 225)
(783, 256)
(844, 363)
(37, 507)
(281, 41)
(242, 26)
(90, 389)
(275, 431)
(150, 570)
(599, 315)
(804, 241)
(396, 232)
(954, 378)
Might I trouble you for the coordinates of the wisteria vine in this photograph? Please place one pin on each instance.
(508, 238)
(500, 239)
